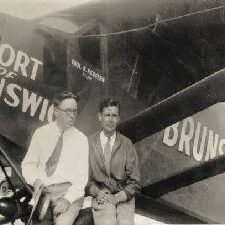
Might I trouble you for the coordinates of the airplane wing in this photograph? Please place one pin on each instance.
(185, 103)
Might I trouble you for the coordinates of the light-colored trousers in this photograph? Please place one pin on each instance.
(109, 214)
(54, 192)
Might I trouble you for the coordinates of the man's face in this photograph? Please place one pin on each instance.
(109, 119)
(4, 188)
(65, 113)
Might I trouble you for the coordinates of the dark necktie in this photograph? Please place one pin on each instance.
(53, 160)
(107, 154)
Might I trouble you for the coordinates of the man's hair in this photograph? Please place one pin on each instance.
(59, 97)
(108, 102)
(2, 182)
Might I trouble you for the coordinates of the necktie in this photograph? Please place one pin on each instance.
(53, 160)
(107, 154)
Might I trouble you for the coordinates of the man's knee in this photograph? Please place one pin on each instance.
(125, 212)
(104, 214)
(70, 215)
(107, 206)
(65, 219)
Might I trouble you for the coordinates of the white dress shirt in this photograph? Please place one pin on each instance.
(73, 163)
(104, 139)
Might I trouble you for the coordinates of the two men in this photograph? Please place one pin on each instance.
(114, 171)
(58, 160)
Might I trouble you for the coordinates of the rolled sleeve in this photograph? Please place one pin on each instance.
(30, 163)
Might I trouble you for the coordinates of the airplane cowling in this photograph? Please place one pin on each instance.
(8, 208)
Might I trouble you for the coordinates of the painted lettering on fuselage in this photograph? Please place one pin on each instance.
(19, 61)
(14, 95)
(194, 140)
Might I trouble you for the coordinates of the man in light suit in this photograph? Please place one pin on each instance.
(113, 170)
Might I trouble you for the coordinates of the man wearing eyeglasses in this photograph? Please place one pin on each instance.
(57, 159)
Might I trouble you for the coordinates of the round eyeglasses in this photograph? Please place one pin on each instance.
(69, 111)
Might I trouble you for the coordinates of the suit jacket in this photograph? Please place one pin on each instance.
(124, 167)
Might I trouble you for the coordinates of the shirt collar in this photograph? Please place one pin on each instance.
(59, 130)
(105, 138)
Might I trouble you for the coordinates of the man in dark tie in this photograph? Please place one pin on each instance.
(113, 170)
(57, 159)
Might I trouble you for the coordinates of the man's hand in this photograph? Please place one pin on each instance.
(113, 199)
(103, 196)
(62, 204)
(117, 198)
(37, 184)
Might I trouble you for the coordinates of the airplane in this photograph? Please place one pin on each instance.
(164, 61)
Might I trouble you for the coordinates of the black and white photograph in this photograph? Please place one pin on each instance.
(112, 112)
